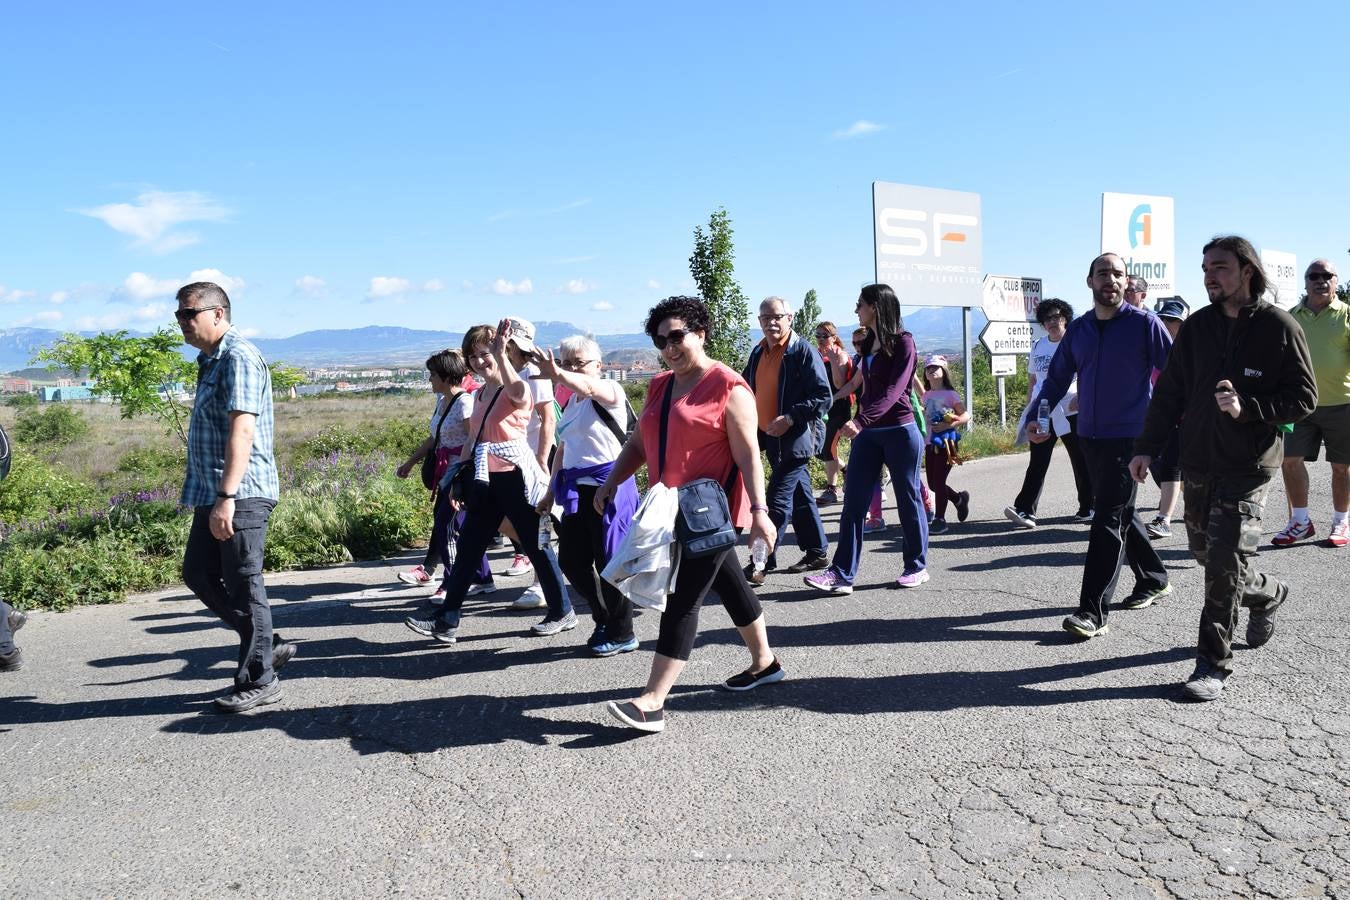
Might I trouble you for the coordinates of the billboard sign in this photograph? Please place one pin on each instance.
(1010, 298)
(927, 244)
(1141, 229)
(1286, 283)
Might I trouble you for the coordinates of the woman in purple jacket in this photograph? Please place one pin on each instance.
(883, 432)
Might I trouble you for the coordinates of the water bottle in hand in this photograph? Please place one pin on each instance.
(1043, 417)
(759, 553)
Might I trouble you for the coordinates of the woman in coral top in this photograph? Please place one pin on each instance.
(710, 429)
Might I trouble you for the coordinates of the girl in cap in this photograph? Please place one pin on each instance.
(945, 413)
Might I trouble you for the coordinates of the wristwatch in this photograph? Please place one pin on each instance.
(224, 496)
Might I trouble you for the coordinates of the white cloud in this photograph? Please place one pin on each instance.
(602, 306)
(310, 285)
(139, 286)
(860, 128)
(434, 286)
(105, 322)
(653, 284)
(47, 316)
(151, 312)
(505, 288)
(227, 283)
(387, 286)
(150, 218)
(14, 296)
(58, 297)
(250, 332)
(575, 286)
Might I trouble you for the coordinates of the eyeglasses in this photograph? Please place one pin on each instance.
(1320, 276)
(576, 364)
(675, 336)
(774, 318)
(187, 315)
(1057, 316)
(1134, 290)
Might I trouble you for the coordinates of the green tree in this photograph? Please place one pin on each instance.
(56, 425)
(808, 317)
(712, 265)
(286, 378)
(139, 373)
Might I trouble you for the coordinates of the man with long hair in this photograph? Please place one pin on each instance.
(1240, 369)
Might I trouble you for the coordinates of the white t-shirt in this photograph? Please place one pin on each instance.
(586, 439)
(1038, 364)
(541, 391)
(455, 428)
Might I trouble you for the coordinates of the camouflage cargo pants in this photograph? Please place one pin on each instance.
(1223, 527)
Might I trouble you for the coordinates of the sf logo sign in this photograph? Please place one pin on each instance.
(911, 226)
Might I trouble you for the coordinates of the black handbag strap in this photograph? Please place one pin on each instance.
(483, 424)
(665, 419)
(608, 418)
(441, 421)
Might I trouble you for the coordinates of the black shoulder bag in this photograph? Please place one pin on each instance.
(703, 522)
(6, 455)
(429, 461)
(608, 418)
(460, 474)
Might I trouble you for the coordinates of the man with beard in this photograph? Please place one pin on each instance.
(1112, 351)
(1240, 369)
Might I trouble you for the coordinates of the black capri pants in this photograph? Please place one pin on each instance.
(721, 573)
(838, 415)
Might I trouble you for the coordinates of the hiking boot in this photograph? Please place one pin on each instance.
(1141, 598)
(811, 562)
(417, 576)
(1260, 626)
(962, 504)
(827, 497)
(1019, 518)
(829, 582)
(531, 598)
(749, 680)
(434, 628)
(11, 661)
(640, 719)
(1293, 533)
(551, 626)
(1205, 683)
(1160, 527)
(521, 565)
(16, 620)
(1084, 626)
(242, 699)
(1340, 535)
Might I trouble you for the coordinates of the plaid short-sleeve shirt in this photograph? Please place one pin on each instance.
(234, 378)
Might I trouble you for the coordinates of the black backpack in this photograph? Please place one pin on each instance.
(5, 453)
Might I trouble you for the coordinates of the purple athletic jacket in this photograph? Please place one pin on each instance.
(884, 400)
(1114, 361)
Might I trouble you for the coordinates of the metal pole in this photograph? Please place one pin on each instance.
(1002, 403)
(970, 378)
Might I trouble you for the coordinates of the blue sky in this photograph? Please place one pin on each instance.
(437, 165)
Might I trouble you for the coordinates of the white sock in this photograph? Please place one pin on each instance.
(1339, 518)
(1300, 515)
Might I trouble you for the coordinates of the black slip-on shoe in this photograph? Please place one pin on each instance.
(640, 719)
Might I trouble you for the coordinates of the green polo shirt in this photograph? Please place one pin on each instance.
(1328, 335)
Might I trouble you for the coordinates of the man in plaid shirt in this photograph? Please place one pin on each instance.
(232, 487)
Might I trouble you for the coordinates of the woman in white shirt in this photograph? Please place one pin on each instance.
(1053, 315)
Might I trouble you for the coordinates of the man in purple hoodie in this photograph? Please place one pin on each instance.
(1113, 351)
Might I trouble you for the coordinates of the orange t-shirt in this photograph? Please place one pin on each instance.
(505, 423)
(767, 373)
(696, 438)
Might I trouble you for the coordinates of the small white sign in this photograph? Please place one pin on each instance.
(1011, 298)
(1286, 281)
(1002, 365)
(1008, 337)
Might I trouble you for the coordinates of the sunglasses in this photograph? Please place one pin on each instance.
(1320, 276)
(187, 315)
(675, 336)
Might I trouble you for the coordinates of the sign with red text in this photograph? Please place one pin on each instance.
(927, 244)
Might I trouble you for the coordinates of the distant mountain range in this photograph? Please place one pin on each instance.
(933, 329)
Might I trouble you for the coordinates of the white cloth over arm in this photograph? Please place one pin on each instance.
(643, 568)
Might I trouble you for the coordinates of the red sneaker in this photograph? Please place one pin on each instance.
(1293, 533)
(1340, 535)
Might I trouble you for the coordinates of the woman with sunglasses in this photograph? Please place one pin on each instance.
(839, 369)
(507, 483)
(883, 432)
(710, 419)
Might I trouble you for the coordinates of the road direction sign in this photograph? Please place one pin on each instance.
(1007, 337)
(1003, 365)
(1010, 298)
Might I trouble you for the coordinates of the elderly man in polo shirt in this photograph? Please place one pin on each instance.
(231, 486)
(792, 395)
(1325, 320)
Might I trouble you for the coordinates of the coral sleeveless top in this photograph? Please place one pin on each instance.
(504, 423)
(696, 435)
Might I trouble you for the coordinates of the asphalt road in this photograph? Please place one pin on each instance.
(934, 742)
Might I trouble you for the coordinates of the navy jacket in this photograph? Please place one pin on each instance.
(803, 393)
(1114, 361)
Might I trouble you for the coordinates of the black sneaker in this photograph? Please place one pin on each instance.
(808, 563)
(1084, 626)
(433, 628)
(962, 504)
(1141, 598)
(1019, 518)
(1260, 626)
(1205, 683)
(1083, 515)
(16, 620)
(628, 713)
(756, 576)
(282, 653)
(937, 526)
(241, 699)
(748, 680)
(11, 661)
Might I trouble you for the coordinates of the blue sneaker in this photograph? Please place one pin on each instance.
(597, 636)
(614, 648)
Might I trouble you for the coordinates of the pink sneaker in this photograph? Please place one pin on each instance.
(1293, 533)
(417, 575)
(521, 565)
(912, 579)
(829, 582)
(1340, 535)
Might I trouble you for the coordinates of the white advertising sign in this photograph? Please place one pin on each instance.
(1010, 298)
(927, 244)
(1286, 281)
(1001, 338)
(1002, 365)
(1142, 230)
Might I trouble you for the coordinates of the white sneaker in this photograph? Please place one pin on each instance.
(521, 565)
(486, 587)
(438, 598)
(532, 598)
(417, 575)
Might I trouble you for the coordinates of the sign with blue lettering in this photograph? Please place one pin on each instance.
(1141, 230)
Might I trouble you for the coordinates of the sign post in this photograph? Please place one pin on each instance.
(1011, 299)
(927, 245)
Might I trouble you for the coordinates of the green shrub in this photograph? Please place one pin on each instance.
(56, 426)
(101, 570)
(396, 437)
(22, 401)
(36, 490)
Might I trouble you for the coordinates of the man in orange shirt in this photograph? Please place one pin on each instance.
(792, 395)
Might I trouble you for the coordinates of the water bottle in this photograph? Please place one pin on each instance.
(1043, 417)
(545, 531)
(759, 553)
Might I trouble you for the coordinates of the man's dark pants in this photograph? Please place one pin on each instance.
(6, 636)
(227, 577)
(789, 496)
(1223, 527)
(1116, 532)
